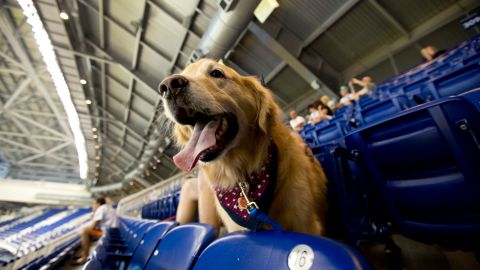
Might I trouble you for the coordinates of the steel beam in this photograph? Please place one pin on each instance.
(32, 122)
(12, 71)
(290, 59)
(16, 93)
(339, 13)
(117, 24)
(389, 16)
(46, 153)
(122, 66)
(25, 60)
(25, 130)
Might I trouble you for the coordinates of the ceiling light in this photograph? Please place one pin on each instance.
(97, 146)
(50, 59)
(94, 129)
(97, 165)
(264, 9)
(88, 101)
(63, 14)
(95, 136)
(131, 183)
(97, 157)
(82, 81)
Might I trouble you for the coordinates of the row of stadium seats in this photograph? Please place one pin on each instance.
(162, 208)
(10, 221)
(143, 244)
(399, 165)
(38, 233)
(52, 260)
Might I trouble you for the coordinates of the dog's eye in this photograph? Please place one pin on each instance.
(216, 73)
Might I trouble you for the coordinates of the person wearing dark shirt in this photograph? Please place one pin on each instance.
(430, 52)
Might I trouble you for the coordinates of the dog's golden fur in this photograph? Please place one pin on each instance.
(299, 202)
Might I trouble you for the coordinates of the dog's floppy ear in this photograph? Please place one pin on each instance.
(267, 109)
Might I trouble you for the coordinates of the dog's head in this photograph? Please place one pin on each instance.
(215, 110)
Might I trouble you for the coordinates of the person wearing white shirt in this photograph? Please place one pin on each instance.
(297, 122)
(346, 97)
(105, 217)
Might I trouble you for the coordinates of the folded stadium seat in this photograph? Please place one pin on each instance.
(382, 109)
(140, 256)
(473, 58)
(170, 206)
(393, 90)
(329, 133)
(278, 250)
(423, 166)
(457, 81)
(106, 247)
(417, 91)
(309, 138)
(176, 200)
(440, 70)
(181, 246)
(366, 100)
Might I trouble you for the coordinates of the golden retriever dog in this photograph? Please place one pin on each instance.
(232, 125)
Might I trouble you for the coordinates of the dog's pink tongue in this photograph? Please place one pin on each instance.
(203, 137)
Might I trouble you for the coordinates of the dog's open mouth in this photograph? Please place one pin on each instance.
(211, 135)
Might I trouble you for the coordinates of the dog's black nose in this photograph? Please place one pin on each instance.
(172, 85)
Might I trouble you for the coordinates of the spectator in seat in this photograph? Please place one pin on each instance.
(104, 217)
(325, 112)
(346, 97)
(368, 87)
(430, 52)
(327, 101)
(297, 122)
(314, 114)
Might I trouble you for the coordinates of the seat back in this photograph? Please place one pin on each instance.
(382, 109)
(329, 133)
(149, 242)
(180, 247)
(278, 250)
(424, 164)
(458, 81)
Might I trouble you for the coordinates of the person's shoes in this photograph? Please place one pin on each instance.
(80, 261)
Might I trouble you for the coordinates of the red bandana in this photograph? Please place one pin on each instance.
(260, 190)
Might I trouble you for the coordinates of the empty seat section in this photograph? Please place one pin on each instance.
(424, 164)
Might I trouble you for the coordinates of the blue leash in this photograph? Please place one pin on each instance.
(261, 217)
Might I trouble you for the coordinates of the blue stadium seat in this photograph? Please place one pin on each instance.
(180, 247)
(423, 165)
(329, 133)
(382, 109)
(278, 250)
(108, 247)
(140, 256)
(458, 81)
